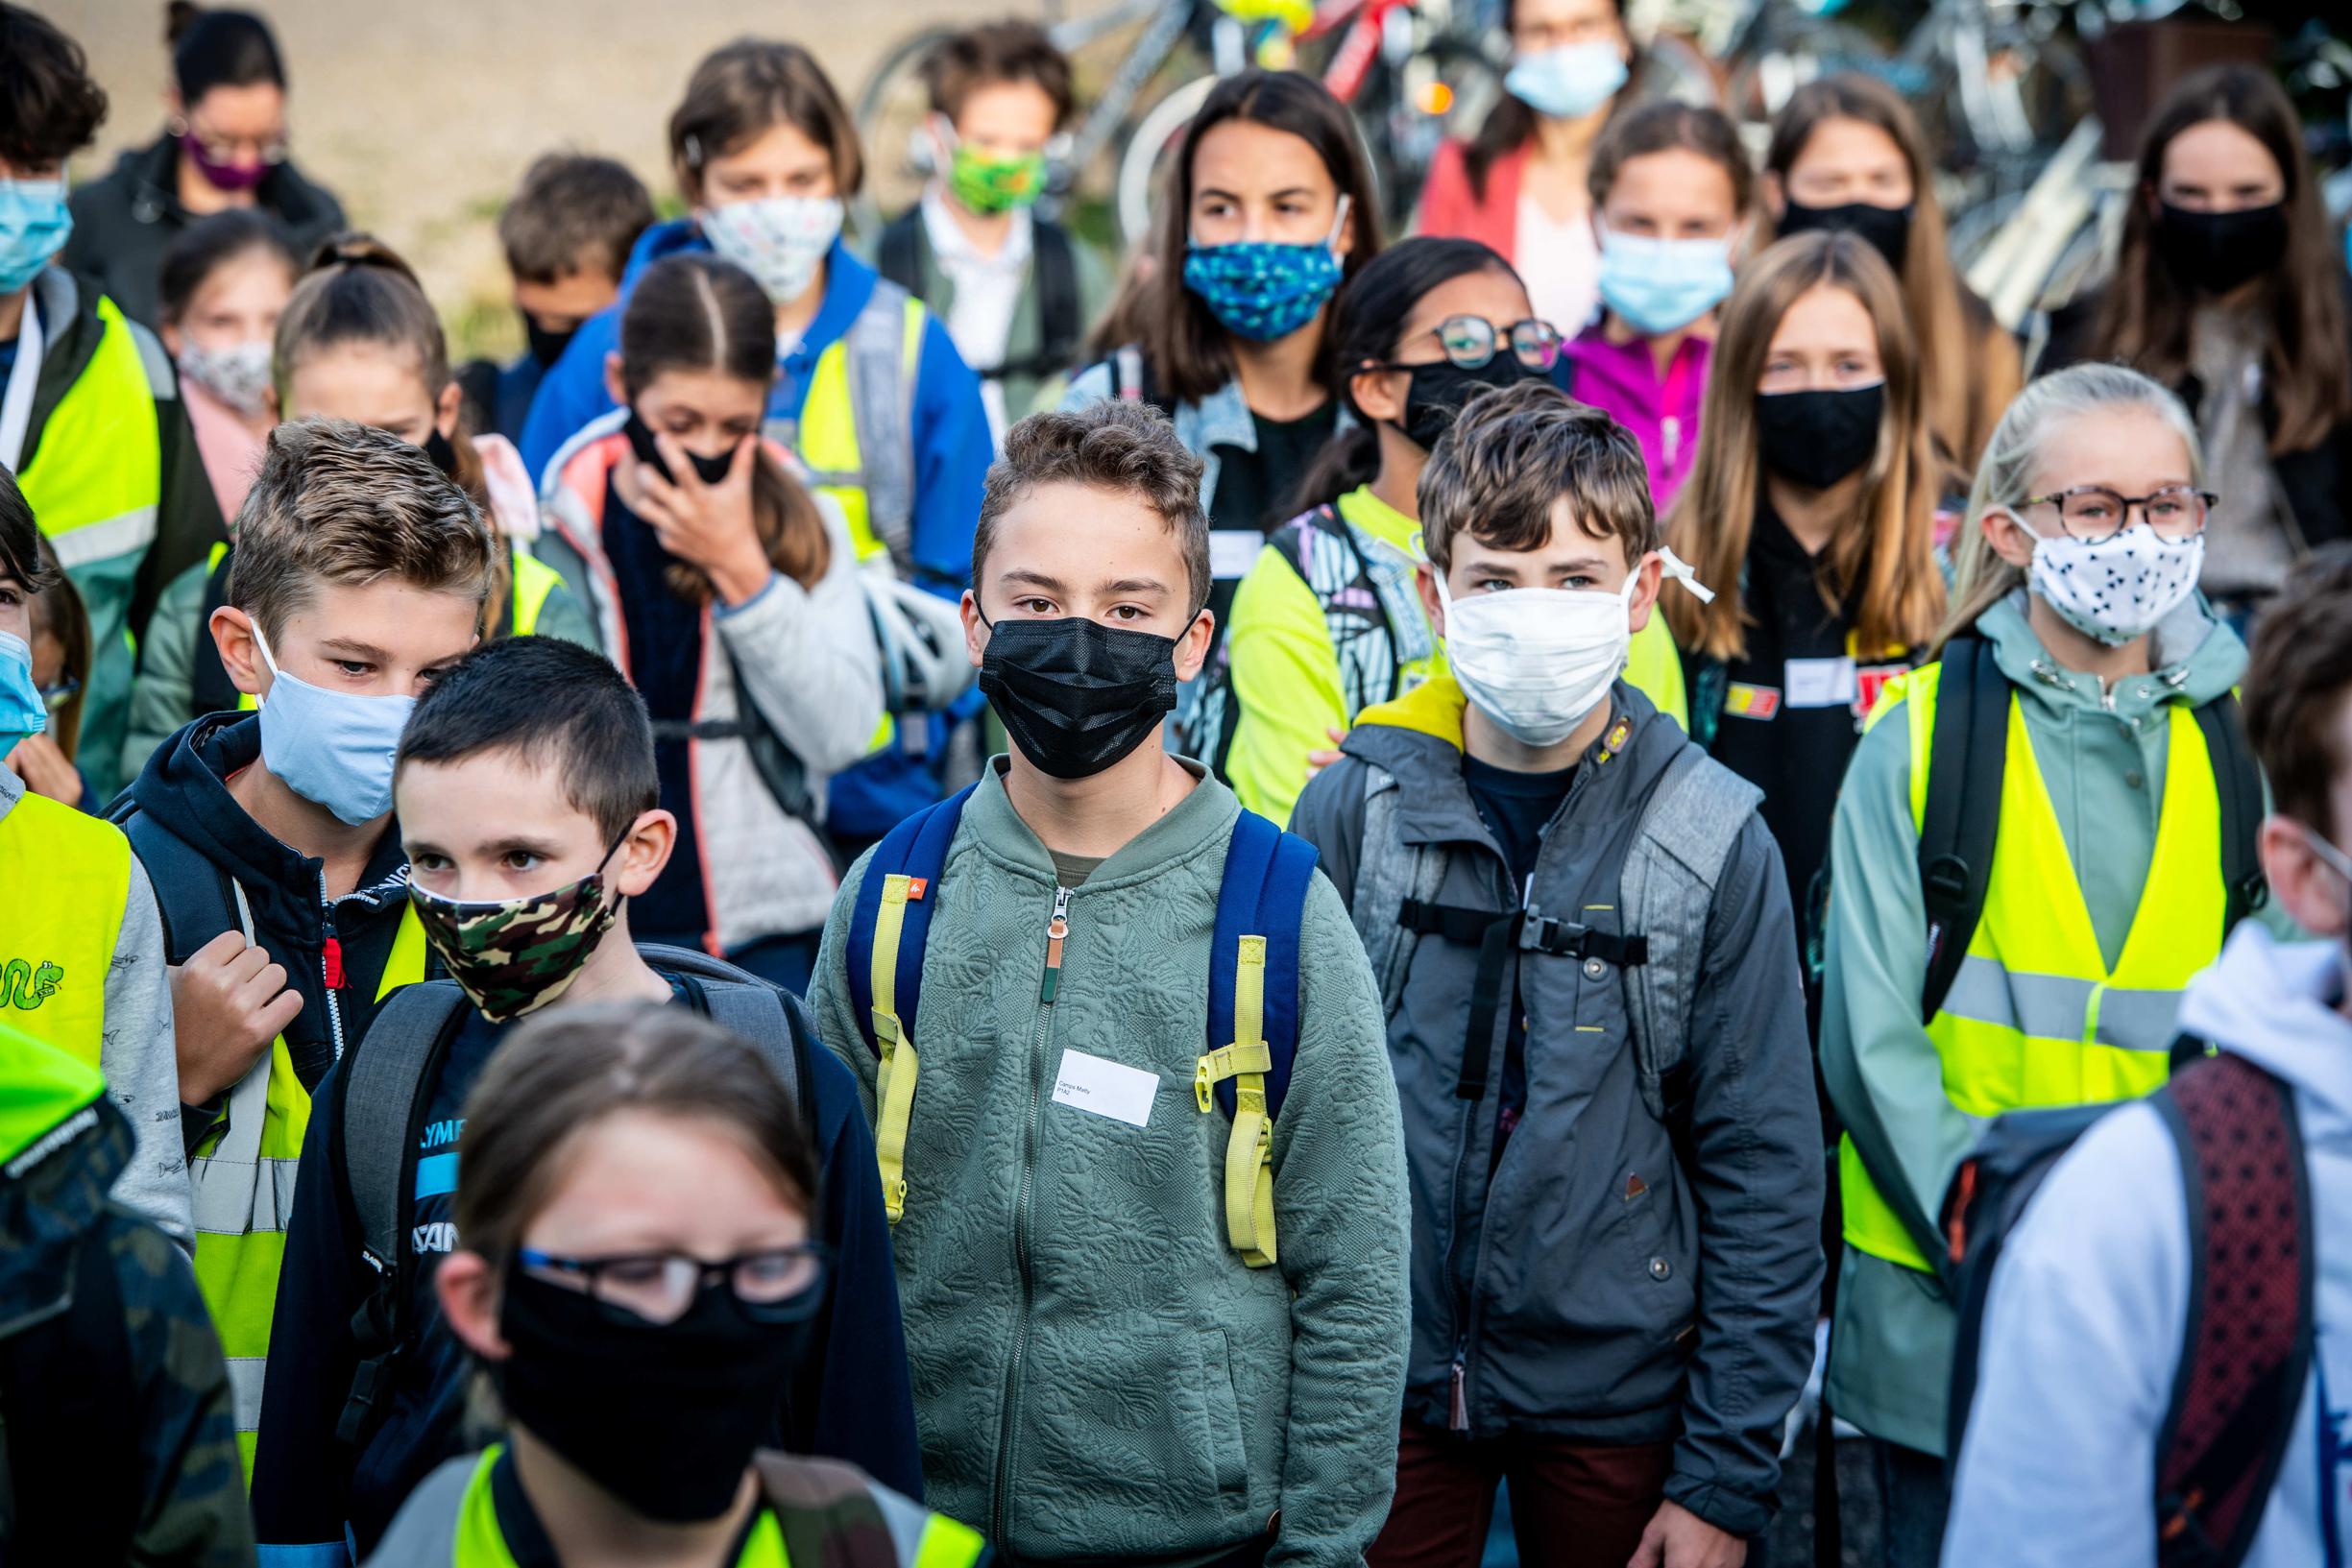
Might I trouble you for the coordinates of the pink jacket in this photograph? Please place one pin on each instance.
(1621, 380)
(1448, 207)
(231, 453)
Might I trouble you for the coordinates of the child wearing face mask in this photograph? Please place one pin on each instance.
(1811, 492)
(640, 1268)
(1327, 622)
(728, 592)
(1015, 289)
(362, 569)
(2230, 289)
(1847, 155)
(2093, 1317)
(224, 283)
(1278, 212)
(2109, 883)
(357, 340)
(541, 744)
(870, 393)
(1529, 846)
(1670, 190)
(566, 234)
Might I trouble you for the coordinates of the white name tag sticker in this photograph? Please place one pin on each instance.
(1819, 683)
(1233, 551)
(1107, 1088)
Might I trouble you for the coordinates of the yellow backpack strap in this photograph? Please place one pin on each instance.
(894, 1078)
(1249, 1177)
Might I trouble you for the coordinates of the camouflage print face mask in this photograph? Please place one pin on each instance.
(514, 956)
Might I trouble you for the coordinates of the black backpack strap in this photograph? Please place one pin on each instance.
(899, 257)
(2237, 784)
(2247, 1345)
(72, 1434)
(1966, 757)
(192, 894)
(1061, 317)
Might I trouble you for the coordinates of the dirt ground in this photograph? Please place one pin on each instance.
(421, 114)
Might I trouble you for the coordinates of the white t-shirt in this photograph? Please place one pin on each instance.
(988, 291)
(1561, 264)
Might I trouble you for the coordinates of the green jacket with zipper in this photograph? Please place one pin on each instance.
(1097, 1374)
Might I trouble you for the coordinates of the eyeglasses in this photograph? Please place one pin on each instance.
(225, 149)
(775, 1284)
(1469, 342)
(2092, 513)
(55, 697)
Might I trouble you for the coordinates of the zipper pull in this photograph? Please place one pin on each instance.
(1458, 1405)
(1670, 434)
(331, 963)
(1055, 930)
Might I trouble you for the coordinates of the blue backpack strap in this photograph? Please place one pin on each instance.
(888, 931)
(1253, 1017)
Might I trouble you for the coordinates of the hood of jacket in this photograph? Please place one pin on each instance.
(62, 1146)
(2193, 658)
(2276, 1004)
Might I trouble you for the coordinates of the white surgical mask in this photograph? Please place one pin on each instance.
(238, 376)
(779, 240)
(1537, 659)
(2118, 587)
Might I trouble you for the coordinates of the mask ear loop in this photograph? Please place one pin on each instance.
(1681, 571)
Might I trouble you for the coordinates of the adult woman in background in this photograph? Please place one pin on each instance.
(224, 147)
(1847, 154)
(1519, 185)
(1270, 208)
(2230, 290)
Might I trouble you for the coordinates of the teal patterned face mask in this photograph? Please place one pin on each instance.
(1264, 289)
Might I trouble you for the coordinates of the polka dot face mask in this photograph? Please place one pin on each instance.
(2118, 587)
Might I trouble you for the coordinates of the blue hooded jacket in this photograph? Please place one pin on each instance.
(952, 454)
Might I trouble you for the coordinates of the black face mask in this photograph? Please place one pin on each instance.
(2212, 252)
(1887, 228)
(710, 470)
(547, 345)
(444, 455)
(665, 1416)
(1818, 438)
(1439, 393)
(1075, 695)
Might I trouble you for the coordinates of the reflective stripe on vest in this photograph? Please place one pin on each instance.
(68, 880)
(244, 1188)
(852, 410)
(96, 477)
(534, 581)
(2035, 1017)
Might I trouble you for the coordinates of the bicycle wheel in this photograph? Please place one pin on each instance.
(1146, 149)
(890, 112)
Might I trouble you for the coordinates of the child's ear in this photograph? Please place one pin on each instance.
(2008, 538)
(232, 635)
(613, 385)
(1775, 195)
(975, 630)
(445, 409)
(1381, 393)
(1649, 578)
(1191, 649)
(644, 849)
(469, 1292)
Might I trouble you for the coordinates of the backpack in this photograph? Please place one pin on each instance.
(1693, 817)
(1060, 317)
(1965, 765)
(1253, 1002)
(376, 1156)
(2246, 1347)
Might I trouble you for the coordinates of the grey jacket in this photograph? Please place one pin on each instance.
(1595, 1282)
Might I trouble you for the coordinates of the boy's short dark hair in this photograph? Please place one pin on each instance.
(340, 502)
(2296, 685)
(555, 704)
(1009, 51)
(571, 213)
(1112, 445)
(50, 106)
(20, 539)
(1513, 453)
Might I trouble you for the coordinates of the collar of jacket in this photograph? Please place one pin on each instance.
(154, 172)
(2195, 658)
(1201, 821)
(52, 1193)
(70, 330)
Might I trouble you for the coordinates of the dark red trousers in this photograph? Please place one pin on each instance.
(1572, 1505)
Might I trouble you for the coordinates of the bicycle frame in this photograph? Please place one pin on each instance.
(1169, 20)
(1351, 63)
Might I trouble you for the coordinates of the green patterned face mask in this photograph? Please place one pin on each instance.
(985, 183)
(514, 956)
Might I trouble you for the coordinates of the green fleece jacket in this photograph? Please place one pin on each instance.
(1097, 1375)
(2102, 755)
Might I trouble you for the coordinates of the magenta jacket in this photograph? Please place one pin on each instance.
(1621, 380)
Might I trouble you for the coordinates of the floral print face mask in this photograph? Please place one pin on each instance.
(1265, 289)
(779, 240)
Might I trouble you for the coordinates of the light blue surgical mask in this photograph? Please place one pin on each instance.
(1657, 285)
(22, 712)
(34, 223)
(1569, 82)
(332, 748)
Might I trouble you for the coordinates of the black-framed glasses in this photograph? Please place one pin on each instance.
(779, 1284)
(2092, 513)
(1472, 341)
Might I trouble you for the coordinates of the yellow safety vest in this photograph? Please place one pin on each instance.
(534, 581)
(2035, 1017)
(65, 882)
(244, 1175)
